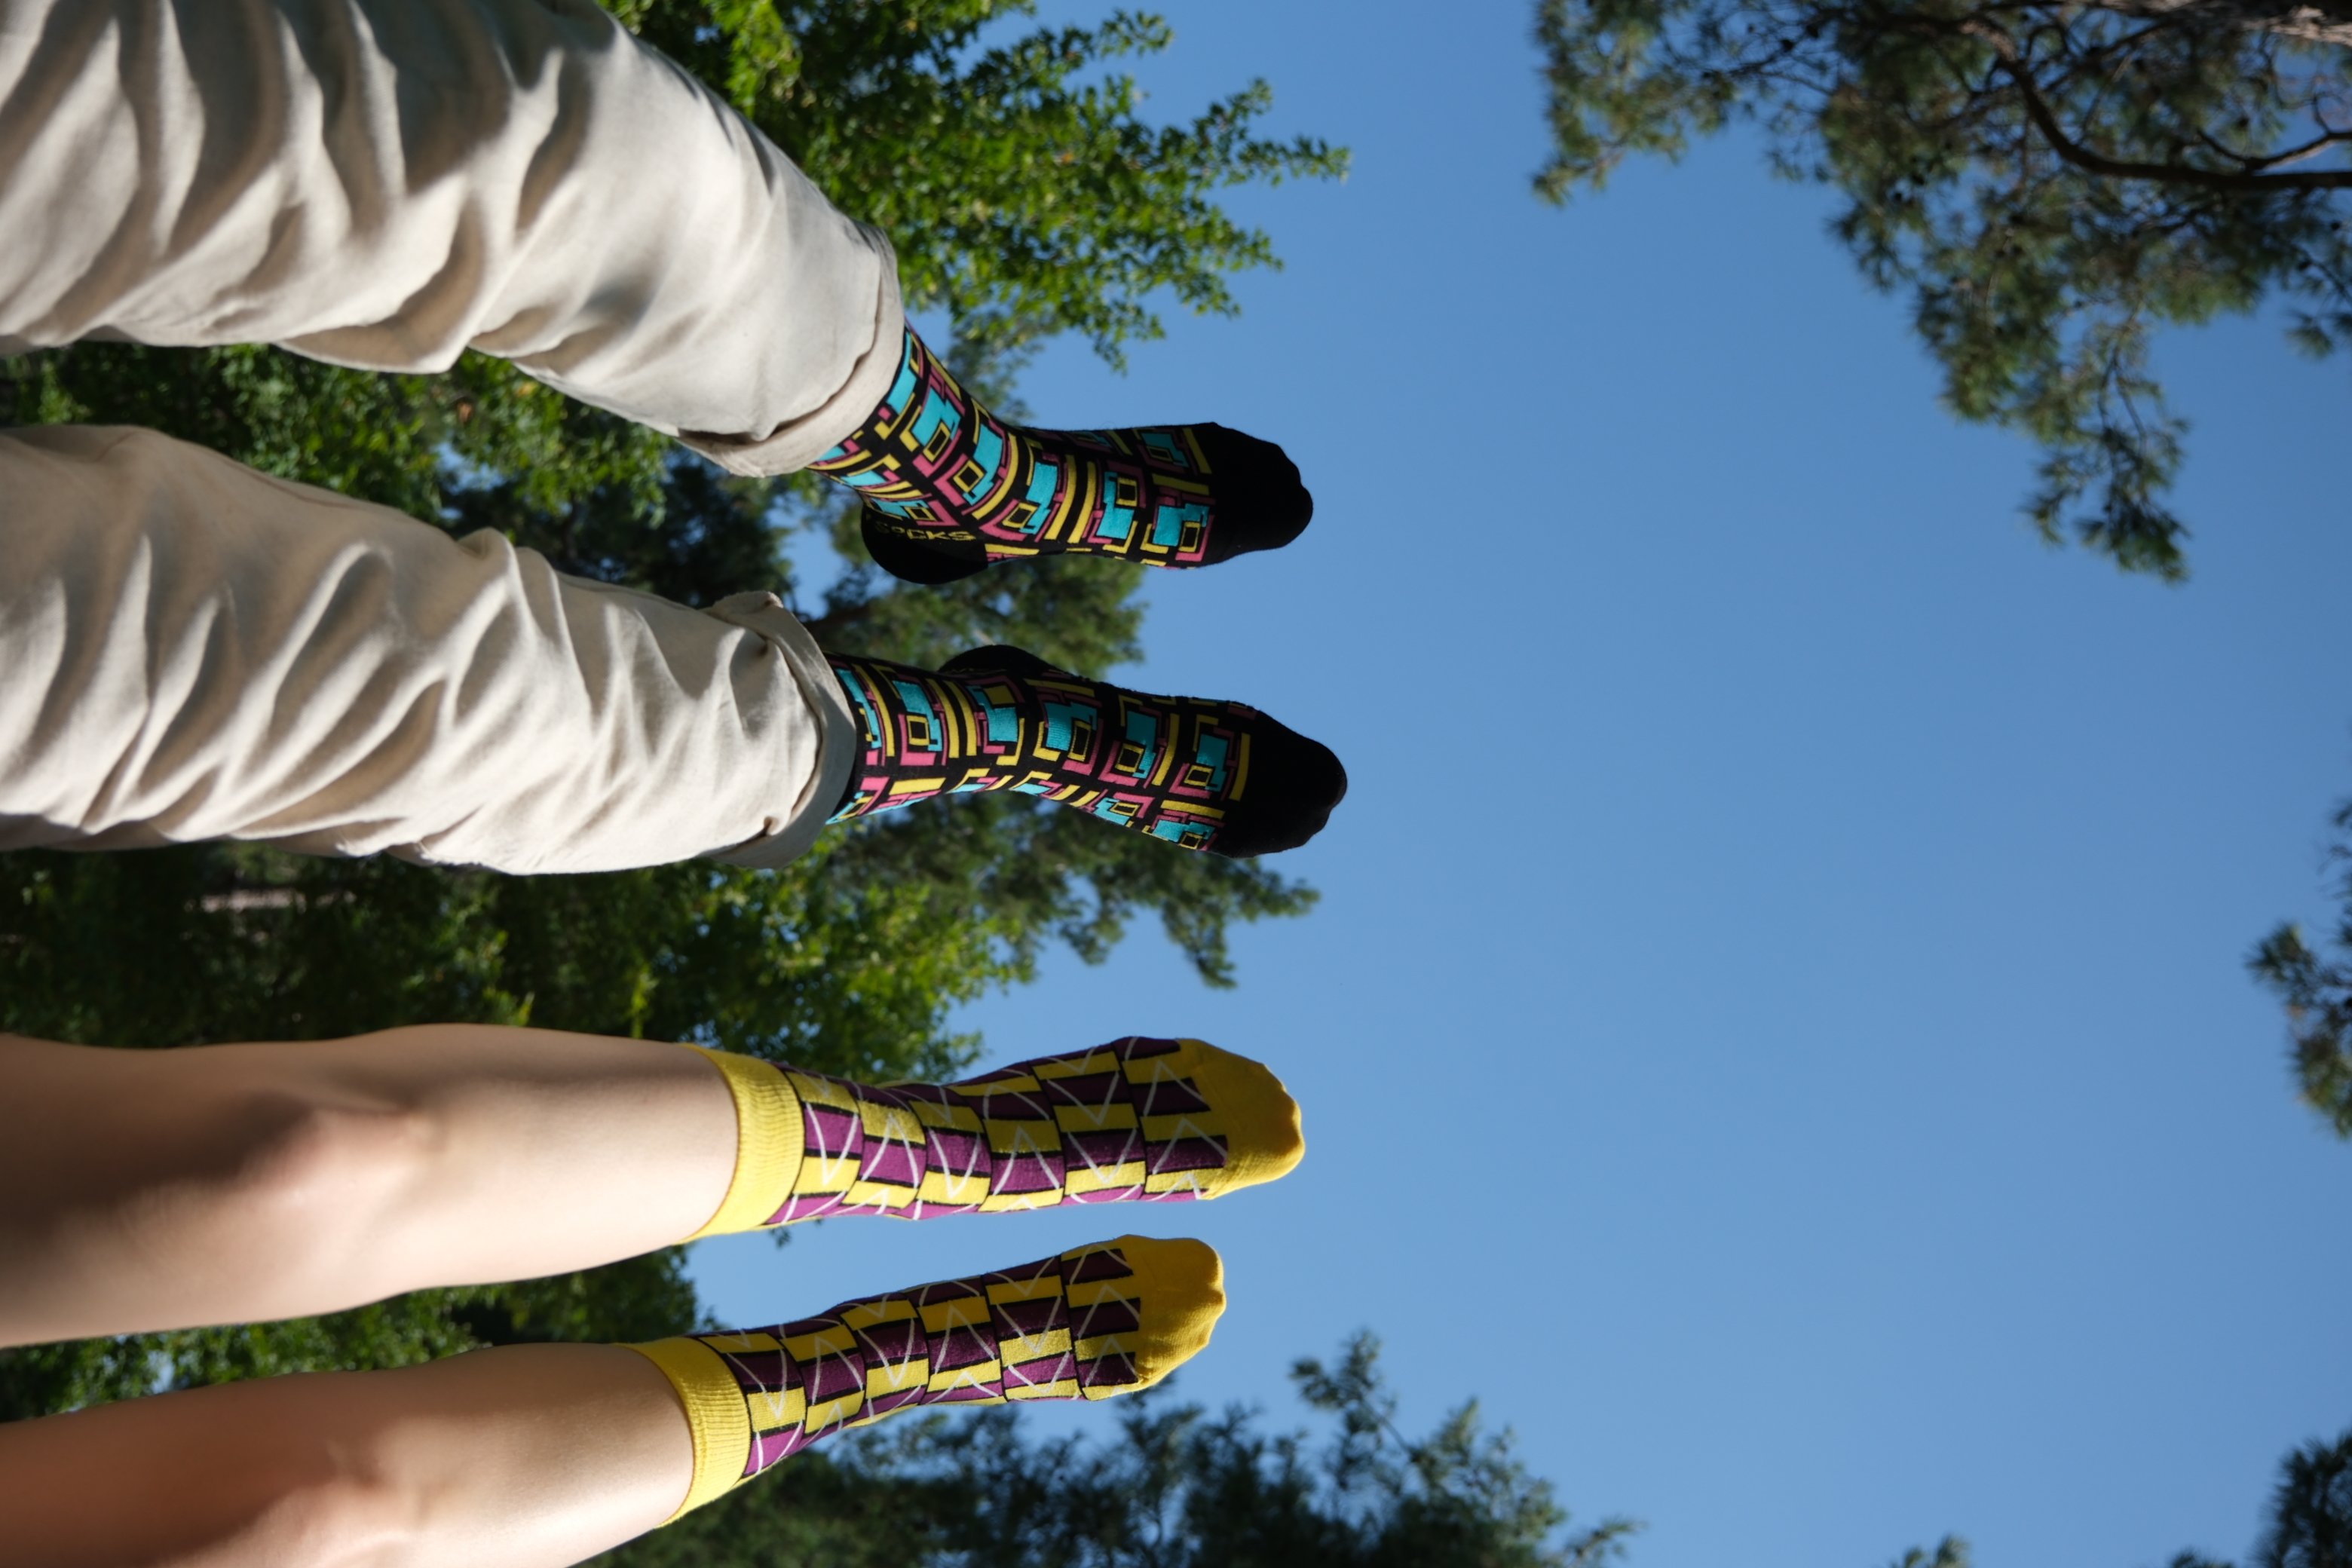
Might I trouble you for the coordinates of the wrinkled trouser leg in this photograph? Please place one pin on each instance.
(194, 651)
(190, 650)
(384, 182)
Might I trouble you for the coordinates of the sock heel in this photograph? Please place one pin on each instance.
(997, 658)
(914, 557)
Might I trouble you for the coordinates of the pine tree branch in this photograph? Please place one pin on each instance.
(2328, 23)
(2072, 152)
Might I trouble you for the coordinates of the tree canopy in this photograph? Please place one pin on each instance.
(2317, 993)
(2048, 181)
(2310, 1523)
(2311, 1509)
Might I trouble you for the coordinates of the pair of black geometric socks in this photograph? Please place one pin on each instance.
(948, 489)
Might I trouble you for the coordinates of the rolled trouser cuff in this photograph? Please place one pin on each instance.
(840, 739)
(797, 443)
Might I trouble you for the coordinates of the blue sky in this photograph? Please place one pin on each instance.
(1775, 1029)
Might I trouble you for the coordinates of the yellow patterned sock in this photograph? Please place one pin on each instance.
(1095, 1321)
(1136, 1121)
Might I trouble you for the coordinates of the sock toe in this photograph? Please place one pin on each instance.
(1293, 786)
(1178, 1292)
(1263, 1139)
(1262, 502)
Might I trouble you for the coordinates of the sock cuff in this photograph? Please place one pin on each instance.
(715, 1413)
(767, 1143)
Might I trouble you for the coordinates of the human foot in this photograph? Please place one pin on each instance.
(948, 488)
(1136, 1121)
(1110, 1319)
(1200, 773)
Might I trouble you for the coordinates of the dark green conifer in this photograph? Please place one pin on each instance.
(2048, 181)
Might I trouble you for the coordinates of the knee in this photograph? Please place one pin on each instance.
(295, 1155)
(336, 1517)
(197, 1142)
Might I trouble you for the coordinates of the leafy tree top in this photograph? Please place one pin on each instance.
(2049, 182)
(2310, 1523)
(2317, 992)
(1017, 188)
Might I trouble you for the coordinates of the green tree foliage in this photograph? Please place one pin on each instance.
(2317, 992)
(2049, 182)
(2311, 1510)
(1026, 198)
(1017, 189)
(1177, 1489)
(1949, 1552)
(2310, 1523)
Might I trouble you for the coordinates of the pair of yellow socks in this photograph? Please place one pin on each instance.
(1139, 1120)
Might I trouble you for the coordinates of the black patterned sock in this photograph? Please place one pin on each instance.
(1200, 773)
(948, 488)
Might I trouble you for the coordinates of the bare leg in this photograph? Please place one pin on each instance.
(145, 1190)
(531, 1455)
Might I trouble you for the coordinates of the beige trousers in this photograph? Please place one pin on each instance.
(190, 650)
